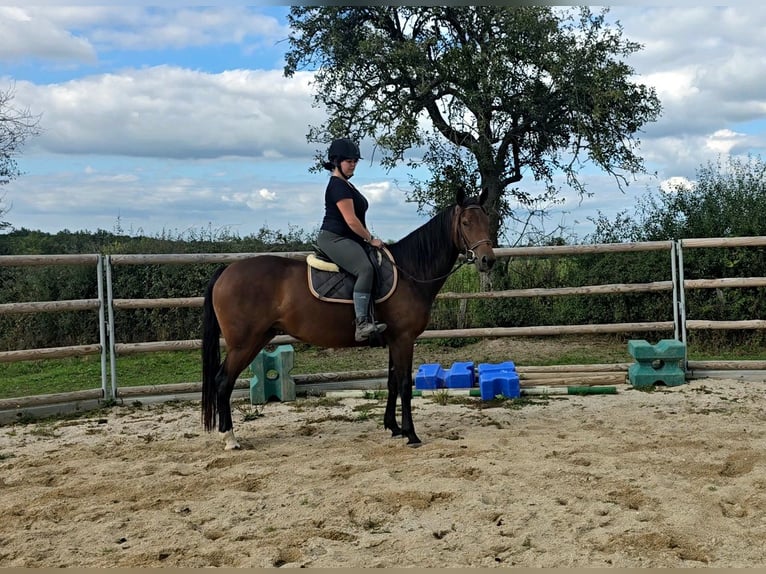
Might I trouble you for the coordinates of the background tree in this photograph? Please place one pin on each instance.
(495, 91)
(727, 199)
(16, 125)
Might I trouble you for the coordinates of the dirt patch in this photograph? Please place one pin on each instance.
(671, 478)
(544, 350)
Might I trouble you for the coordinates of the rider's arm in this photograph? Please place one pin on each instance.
(346, 208)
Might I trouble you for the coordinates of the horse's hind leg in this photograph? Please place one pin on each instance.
(224, 387)
(236, 361)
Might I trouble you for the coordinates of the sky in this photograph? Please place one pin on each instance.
(178, 121)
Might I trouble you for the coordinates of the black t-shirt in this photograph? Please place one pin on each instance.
(338, 189)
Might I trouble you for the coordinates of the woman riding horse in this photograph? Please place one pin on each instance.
(254, 299)
(344, 232)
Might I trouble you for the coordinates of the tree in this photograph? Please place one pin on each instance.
(495, 91)
(727, 199)
(16, 125)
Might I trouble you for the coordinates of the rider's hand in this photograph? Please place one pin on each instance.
(377, 243)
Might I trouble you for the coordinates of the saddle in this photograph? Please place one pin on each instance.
(328, 282)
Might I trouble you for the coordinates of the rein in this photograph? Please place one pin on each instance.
(469, 255)
(416, 280)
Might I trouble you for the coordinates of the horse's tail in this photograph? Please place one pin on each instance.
(211, 355)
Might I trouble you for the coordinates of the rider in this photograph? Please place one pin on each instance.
(343, 232)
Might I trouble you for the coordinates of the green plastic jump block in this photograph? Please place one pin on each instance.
(666, 349)
(657, 364)
(271, 376)
(641, 376)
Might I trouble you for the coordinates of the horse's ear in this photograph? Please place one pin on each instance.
(460, 195)
(483, 196)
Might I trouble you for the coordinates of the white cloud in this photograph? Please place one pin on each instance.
(707, 64)
(376, 192)
(24, 36)
(267, 195)
(723, 141)
(78, 32)
(173, 112)
(115, 178)
(254, 199)
(673, 86)
(673, 184)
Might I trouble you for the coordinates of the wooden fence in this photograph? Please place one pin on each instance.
(99, 347)
(107, 304)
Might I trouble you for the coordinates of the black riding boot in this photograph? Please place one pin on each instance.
(364, 326)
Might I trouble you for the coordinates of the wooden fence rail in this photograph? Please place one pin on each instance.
(107, 303)
(47, 260)
(49, 306)
(59, 306)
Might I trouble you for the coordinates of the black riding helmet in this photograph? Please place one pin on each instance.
(341, 149)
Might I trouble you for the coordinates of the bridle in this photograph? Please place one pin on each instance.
(469, 256)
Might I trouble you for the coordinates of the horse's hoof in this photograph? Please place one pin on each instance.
(414, 442)
(397, 434)
(230, 441)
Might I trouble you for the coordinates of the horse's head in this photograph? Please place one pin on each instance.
(471, 231)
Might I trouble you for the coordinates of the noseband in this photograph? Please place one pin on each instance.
(470, 255)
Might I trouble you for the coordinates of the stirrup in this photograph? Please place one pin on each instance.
(365, 328)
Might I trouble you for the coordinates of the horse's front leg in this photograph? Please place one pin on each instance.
(389, 419)
(401, 358)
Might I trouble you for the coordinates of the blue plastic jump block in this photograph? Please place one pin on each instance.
(499, 379)
(429, 377)
(497, 383)
(507, 366)
(459, 376)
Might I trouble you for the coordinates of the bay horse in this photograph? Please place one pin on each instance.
(252, 300)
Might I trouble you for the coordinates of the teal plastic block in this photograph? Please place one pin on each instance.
(665, 349)
(657, 364)
(271, 376)
(641, 376)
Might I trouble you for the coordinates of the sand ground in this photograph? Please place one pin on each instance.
(670, 478)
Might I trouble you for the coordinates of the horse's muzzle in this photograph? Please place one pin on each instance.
(485, 262)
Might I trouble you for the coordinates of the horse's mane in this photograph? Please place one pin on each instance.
(428, 252)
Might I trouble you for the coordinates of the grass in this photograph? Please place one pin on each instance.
(29, 378)
(51, 376)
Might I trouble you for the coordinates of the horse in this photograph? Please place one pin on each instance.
(252, 300)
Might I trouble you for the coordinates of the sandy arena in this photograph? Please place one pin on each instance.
(671, 478)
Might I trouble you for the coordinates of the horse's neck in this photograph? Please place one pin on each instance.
(428, 255)
(445, 267)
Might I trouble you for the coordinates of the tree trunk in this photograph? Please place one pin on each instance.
(494, 206)
(494, 203)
